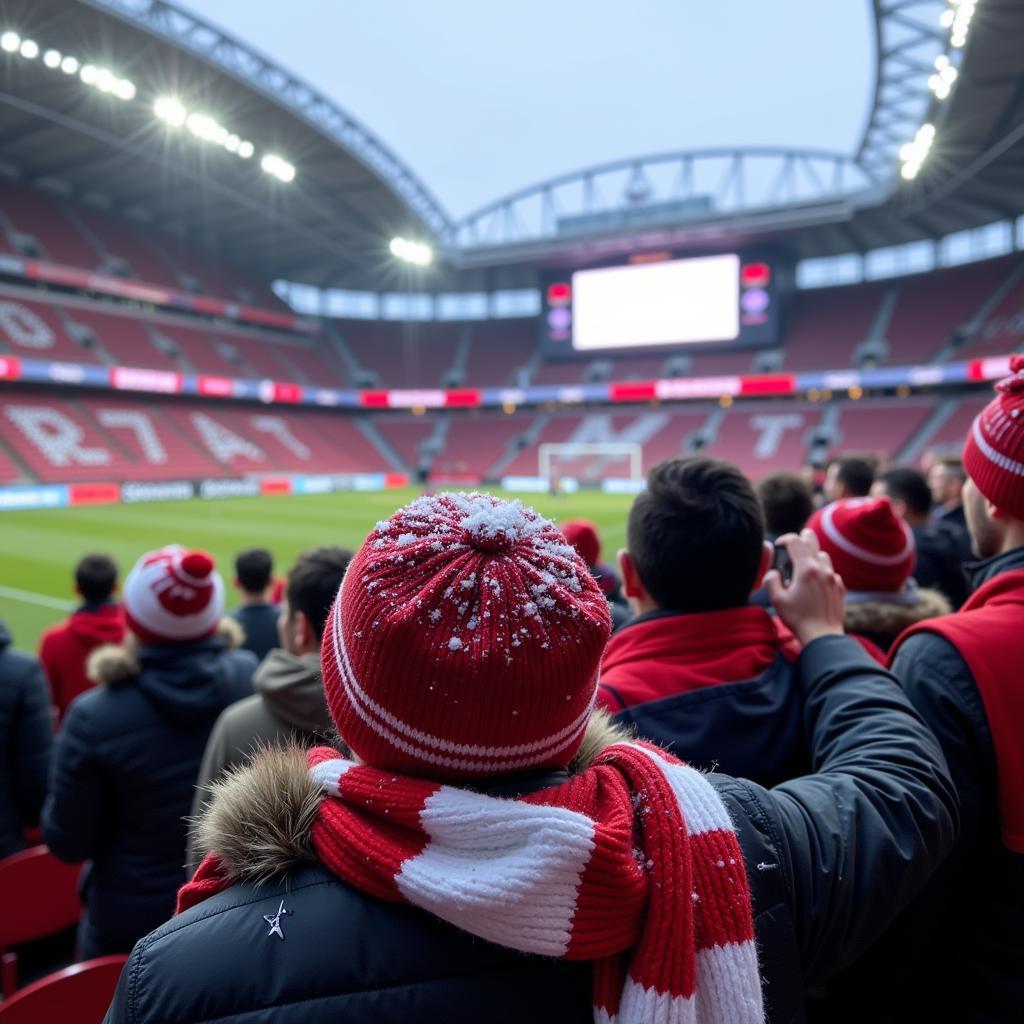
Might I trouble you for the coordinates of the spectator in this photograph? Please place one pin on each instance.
(787, 502)
(65, 647)
(700, 669)
(946, 479)
(289, 700)
(254, 578)
(962, 673)
(873, 550)
(26, 736)
(483, 802)
(583, 536)
(848, 477)
(129, 751)
(940, 555)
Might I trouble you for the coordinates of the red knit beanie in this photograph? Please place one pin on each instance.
(465, 642)
(173, 596)
(870, 546)
(994, 451)
(582, 535)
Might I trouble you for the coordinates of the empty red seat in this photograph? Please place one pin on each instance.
(79, 994)
(39, 895)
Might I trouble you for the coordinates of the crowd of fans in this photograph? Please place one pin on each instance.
(474, 728)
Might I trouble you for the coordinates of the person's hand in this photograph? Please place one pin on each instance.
(813, 604)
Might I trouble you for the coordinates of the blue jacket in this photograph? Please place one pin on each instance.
(878, 817)
(26, 737)
(123, 775)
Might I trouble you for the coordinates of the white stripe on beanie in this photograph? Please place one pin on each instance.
(845, 544)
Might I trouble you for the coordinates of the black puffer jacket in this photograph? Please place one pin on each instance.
(26, 737)
(877, 818)
(123, 776)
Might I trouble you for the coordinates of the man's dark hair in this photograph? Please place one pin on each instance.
(909, 486)
(314, 581)
(953, 465)
(696, 535)
(254, 568)
(96, 577)
(787, 503)
(856, 473)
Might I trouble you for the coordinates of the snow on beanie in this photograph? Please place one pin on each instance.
(173, 596)
(465, 642)
(870, 546)
(583, 536)
(994, 451)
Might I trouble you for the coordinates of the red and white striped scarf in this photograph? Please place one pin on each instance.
(636, 855)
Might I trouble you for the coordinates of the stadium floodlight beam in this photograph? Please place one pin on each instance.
(246, 149)
(418, 253)
(52, 59)
(278, 167)
(10, 41)
(89, 74)
(70, 65)
(170, 110)
(29, 49)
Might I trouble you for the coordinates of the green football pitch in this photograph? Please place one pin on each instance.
(38, 549)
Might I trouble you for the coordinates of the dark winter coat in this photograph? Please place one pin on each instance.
(877, 818)
(64, 648)
(259, 623)
(123, 775)
(26, 737)
(940, 561)
(965, 928)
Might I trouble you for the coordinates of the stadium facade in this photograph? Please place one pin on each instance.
(216, 281)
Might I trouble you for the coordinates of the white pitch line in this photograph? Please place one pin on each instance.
(43, 600)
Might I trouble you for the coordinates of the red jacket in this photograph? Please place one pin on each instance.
(668, 653)
(719, 689)
(64, 648)
(982, 632)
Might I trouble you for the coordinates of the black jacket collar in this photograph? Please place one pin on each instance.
(988, 568)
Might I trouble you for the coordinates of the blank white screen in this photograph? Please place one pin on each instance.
(676, 302)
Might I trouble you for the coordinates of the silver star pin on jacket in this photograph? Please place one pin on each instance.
(274, 920)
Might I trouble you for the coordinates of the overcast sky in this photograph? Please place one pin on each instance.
(481, 98)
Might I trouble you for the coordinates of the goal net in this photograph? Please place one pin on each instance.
(590, 462)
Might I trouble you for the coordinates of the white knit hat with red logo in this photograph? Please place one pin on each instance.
(465, 641)
(173, 596)
(871, 547)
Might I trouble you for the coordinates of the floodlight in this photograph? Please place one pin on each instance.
(10, 41)
(946, 17)
(910, 171)
(69, 65)
(105, 80)
(171, 110)
(246, 149)
(278, 167)
(88, 74)
(125, 89)
(232, 143)
(417, 253)
(52, 59)
(29, 49)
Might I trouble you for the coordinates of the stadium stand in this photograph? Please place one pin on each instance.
(36, 226)
(835, 320)
(34, 330)
(123, 337)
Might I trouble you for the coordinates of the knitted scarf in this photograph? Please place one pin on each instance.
(632, 864)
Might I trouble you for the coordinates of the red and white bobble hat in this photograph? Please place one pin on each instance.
(173, 596)
(994, 452)
(465, 642)
(871, 547)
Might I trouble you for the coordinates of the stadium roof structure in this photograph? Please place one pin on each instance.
(947, 109)
(350, 194)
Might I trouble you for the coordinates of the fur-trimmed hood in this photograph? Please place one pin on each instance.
(888, 618)
(114, 663)
(186, 683)
(260, 816)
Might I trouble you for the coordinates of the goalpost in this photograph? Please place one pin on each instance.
(548, 453)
